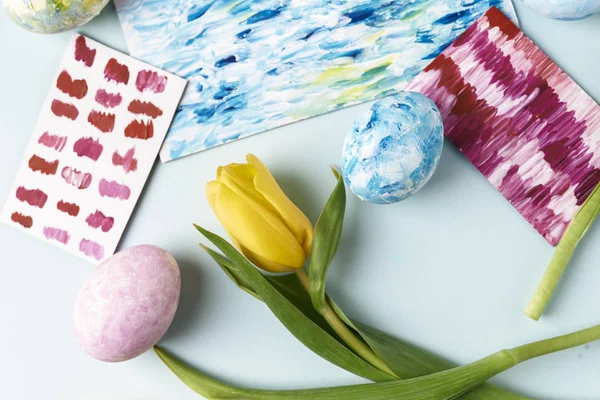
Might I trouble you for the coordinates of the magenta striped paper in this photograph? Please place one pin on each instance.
(524, 123)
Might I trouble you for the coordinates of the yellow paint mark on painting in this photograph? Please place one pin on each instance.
(373, 38)
(353, 94)
(339, 73)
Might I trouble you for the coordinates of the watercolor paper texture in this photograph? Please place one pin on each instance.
(256, 65)
(97, 137)
(519, 119)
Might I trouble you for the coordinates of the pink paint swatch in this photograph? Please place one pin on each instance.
(33, 197)
(55, 142)
(150, 80)
(88, 147)
(57, 234)
(108, 100)
(519, 119)
(99, 220)
(91, 249)
(77, 178)
(113, 190)
(127, 161)
(83, 53)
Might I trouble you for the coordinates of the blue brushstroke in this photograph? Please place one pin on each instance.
(225, 61)
(243, 34)
(264, 15)
(359, 14)
(198, 12)
(254, 65)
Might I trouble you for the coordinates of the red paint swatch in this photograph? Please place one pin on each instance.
(103, 121)
(88, 147)
(61, 109)
(144, 107)
(37, 163)
(57, 234)
(140, 130)
(33, 197)
(128, 161)
(114, 71)
(91, 249)
(99, 220)
(75, 88)
(70, 208)
(83, 53)
(114, 190)
(81, 180)
(24, 220)
(53, 141)
(150, 80)
(108, 100)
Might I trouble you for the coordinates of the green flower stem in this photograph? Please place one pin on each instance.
(444, 385)
(563, 253)
(345, 333)
(543, 347)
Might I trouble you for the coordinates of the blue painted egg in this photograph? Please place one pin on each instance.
(565, 9)
(393, 150)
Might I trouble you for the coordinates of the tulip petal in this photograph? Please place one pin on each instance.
(295, 220)
(240, 178)
(255, 228)
(265, 264)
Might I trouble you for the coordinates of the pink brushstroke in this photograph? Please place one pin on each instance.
(55, 142)
(81, 180)
(113, 190)
(108, 100)
(91, 249)
(99, 220)
(150, 80)
(127, 161)
(56, 234)
(519, 119)
(88, 147)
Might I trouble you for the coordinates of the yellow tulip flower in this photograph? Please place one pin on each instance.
(262, 222)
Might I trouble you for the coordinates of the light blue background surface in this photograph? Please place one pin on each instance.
(450, 269)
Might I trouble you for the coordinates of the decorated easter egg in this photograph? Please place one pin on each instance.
(393, 150)
(52, 16)
(127, 303)
(565, 9)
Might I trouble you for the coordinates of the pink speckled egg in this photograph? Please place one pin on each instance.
(127, 303)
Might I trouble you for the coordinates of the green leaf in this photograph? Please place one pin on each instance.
(311, 334)
(444, 385)
(326, 240)
(405, 359)
(409, 361)
(233, 273)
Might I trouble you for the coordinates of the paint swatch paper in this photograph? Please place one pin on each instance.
(256, 65)
(97, 137)
(524, 123)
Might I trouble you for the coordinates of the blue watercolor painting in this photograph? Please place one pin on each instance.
(255, 65)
